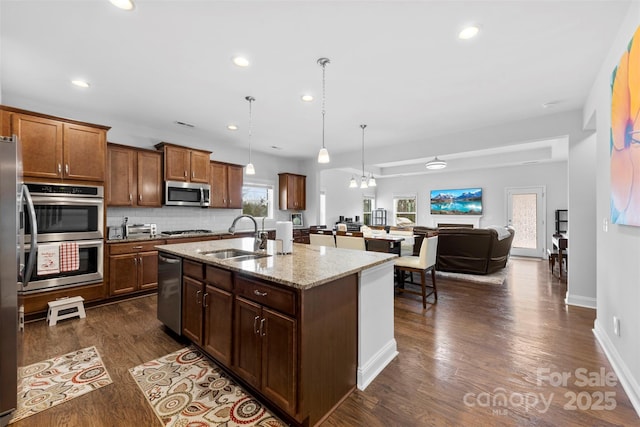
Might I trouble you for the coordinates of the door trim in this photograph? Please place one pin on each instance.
(541, 236)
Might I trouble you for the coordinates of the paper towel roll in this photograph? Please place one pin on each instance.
(284, 233)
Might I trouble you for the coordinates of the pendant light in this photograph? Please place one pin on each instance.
(323, 154)
(363, 178)
(372, 181)
(250, 170)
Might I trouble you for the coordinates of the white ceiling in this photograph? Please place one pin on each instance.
(396, 66)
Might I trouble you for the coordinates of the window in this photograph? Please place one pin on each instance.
(323, 208)
(367, 209)
(404, 210)
(257, 200)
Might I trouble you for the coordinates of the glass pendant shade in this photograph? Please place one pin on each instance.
(250, 170)
(353, 183)
(323, 155)
(436, 164)
(363, 182)
(372, 181)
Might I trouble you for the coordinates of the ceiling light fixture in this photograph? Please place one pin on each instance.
(80, 83)
(250, 170)
(307, 98)
(468, 32)
(240, 61)
(232, 127)
(123, 4)
(323, 154)
(436, 164)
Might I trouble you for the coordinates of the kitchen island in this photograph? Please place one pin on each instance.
(301, 330)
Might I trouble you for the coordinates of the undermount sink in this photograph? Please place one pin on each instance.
(233, 254)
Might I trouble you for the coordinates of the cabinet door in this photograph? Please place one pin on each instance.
(84, 150)
(149, 179)
(192, 309)
(148, 270)
(41, 141)
(176, 163)
(279, 359)
(120, 180)
(199, 167)
(123, 274)
(218, 198)
(234, 185)
(217, 324)
(300, 192)
(246, 359)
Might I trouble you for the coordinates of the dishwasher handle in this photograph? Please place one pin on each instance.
(169, 260)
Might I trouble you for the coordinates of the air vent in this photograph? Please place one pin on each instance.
(189, 125)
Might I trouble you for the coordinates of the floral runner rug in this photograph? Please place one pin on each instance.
(55, 381)
(185, 388)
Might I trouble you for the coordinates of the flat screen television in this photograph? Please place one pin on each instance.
(463, 201)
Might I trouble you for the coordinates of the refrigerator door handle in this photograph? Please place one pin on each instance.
(34, 236)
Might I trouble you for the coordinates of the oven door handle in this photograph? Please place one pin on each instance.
(88, 243)
(74, 201)
(26, 275)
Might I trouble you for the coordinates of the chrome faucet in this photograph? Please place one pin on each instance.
(260, 238)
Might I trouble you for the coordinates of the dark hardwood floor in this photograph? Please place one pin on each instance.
(477, 342)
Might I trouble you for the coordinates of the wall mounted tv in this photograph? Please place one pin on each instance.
(464, 201)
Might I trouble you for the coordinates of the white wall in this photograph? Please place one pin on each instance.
(342, 200)
(493, 182)
(618, 246)
(581, 287)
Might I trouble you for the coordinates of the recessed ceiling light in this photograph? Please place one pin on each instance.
(189, 125)
(123, 4)
(80, 83)
(307, 98)
(232, 127)
(469, 32)
(241, 61)
(550, 104)
(275, 147)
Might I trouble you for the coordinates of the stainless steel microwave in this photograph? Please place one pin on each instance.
(178, 193)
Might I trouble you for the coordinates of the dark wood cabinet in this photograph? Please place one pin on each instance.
(134, 177)
(133, 267)
(192, 293)
(58, 149)
(185, 164)
(301, 235)
(226, 185)
(293, 191)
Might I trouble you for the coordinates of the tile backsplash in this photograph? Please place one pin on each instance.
(170, 218)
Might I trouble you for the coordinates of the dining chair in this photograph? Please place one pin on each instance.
(322, 238)
(419, 264)
(350, 240)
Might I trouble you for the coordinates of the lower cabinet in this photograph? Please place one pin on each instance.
(133, 267)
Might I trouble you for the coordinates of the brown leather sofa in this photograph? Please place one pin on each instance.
(472, 250)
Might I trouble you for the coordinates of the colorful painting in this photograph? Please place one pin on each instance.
(624, 144)
(465, 201)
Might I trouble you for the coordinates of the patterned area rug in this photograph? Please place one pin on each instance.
(55, 381)
(496, 278)
(185, 388)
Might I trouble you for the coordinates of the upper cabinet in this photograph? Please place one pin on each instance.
(226, 185)
(57, 149)
(134, 177)
(185, 164)
(293, 191)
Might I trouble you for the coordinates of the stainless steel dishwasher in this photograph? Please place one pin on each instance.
(170, 291)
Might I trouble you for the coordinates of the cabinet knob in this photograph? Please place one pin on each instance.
(130, 197)
(263, 332)
(135, 261)
(198, 297)
(59, 168)
(193, 174)
(137, 247)
(66, 169)
(204, 300)
(140, 197)
(258, 293)
(185, 174)
(140, 261)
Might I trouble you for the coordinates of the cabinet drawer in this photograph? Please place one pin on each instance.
(278, 298)
(127, 248)
(193, 269)
(219, 277)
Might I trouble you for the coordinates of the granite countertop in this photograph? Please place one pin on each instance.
(306, 267)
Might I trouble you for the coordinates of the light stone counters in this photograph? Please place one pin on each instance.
(307, 267)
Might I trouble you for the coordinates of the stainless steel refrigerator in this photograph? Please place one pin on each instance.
(14, 198)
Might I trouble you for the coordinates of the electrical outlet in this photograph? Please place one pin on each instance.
(616, 325)
(605, 225)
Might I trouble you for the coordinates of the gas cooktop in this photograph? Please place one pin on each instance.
(179, 232)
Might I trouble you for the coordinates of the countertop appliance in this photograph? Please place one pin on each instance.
(178, 193)
(141, 230)
(12, 193)
(170, 291)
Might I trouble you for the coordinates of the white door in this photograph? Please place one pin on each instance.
(525, 213)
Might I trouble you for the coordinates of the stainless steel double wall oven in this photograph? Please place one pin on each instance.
(67, 213)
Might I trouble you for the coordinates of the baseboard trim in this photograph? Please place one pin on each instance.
(628, 382)
(580, 301)
(376, 364)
